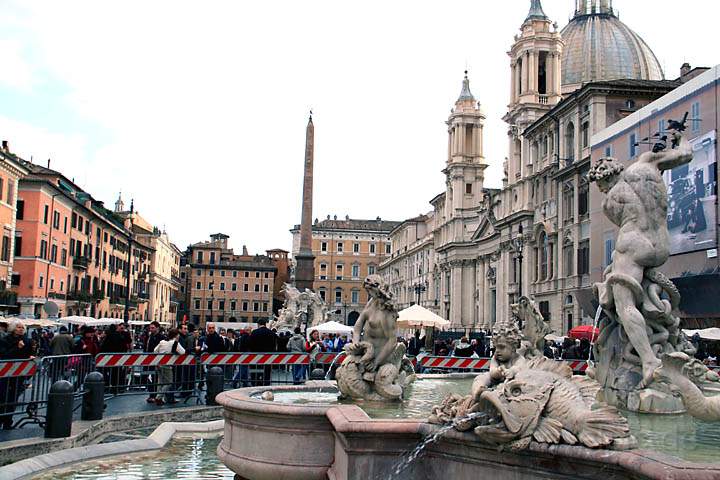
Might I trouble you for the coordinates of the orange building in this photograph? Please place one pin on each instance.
(11, 170)
(346, 251)
(72, 250)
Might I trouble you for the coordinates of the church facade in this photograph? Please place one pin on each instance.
(487, 247)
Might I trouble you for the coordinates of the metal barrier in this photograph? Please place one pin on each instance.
(479, 364)
(253, 369)
(159, 375)
(26, 384)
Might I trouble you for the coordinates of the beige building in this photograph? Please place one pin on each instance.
(346, 251)
(221, 286)
(409, 268)
(532, 237)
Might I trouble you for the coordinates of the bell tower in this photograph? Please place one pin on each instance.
(465, 163)
(535, 77)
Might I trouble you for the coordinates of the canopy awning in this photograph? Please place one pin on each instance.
(418, 316)
(90, 321)
(332, 327)
(33, 322)
(712, 333)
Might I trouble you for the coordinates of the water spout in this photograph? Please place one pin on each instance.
(427, 441)
(329, 372)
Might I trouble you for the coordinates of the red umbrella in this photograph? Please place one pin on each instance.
(584, 331)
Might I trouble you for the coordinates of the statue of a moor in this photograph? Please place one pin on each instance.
(636, 297)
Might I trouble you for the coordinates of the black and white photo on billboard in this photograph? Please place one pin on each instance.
(692, 194)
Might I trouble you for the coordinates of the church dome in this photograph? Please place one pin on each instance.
(598, 46)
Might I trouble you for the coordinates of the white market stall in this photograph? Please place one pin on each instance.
(89, 321)
(332, 327)
(705, 333)
(418, 316)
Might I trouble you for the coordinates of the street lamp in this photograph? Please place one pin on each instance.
(419, 289)
(519, 244)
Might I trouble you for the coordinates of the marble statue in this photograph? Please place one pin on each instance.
(534, 326)
(300, 307)
(686, 374)
(375, 367)
(637, 299)
(526, 397)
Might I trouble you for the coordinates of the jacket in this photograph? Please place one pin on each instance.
(166, 346)
(11, 349)
(263, 339)
(296, 343)
(61, 344)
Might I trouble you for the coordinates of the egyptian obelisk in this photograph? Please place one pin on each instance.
(305, 266)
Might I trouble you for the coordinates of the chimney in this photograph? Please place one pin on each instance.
(685, 69)
(48, 163)
(245, 250)
(5, 147)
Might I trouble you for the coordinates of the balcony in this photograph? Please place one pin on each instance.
(56, 295)
(8, 298)
(80, 263)
(543, 99)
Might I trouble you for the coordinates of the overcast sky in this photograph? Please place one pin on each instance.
(197, 110)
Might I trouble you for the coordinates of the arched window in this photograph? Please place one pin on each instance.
(570, 142)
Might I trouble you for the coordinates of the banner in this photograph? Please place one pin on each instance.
(692, 193)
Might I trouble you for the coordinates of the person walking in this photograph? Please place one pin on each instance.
(153, 339)
(242, 376)
(263, 340)
(186, 373)
(165, 372)
(296, 344)
(62, 343)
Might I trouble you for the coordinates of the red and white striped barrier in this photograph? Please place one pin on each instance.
(455, 362)
(17, 368)
(142, 359)
(578, 366)
(328, 358)
(255, 359)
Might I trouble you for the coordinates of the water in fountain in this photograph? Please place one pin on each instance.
(598, 312)
(429, 440)
(329, 372)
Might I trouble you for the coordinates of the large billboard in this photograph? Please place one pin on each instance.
(692, 194)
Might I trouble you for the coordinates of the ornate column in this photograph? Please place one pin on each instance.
(513, 85)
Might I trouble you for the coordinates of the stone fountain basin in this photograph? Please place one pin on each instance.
(267, 440)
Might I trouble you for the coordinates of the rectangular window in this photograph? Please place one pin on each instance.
(356, 271)
(339, 271)
(257, 274)
(10, 192)
(56, 220)
(235, 274)
(372, 249)
(15, 280)
(222, 286)
(245, 306)
(221, 304)
(608, 151)
(257, 287)
(200, 257)
(266, 288)
(20, 210)
(338, 296)
(18, 247)
(53, 253)
(355, 296)
(42, 281)
(46, 212)
(222, 273)
(73, 221)
(387, 249)
(340, 247)
(211, 285)
(63, 257)
(633, 145)
(661, 127)
(356, 247)
(695, 117)
(371, 269)
(583, 267)
(212, 258)
(65, 225)
(234, 287)
(585, 134)
(197, 304)
(198, 285)
(209, 304)
(5, 249)
(246, 287)
(265, 307)
(43, 249)
(233, 305)
(468, 188)
(256, 307)
(609, 246)
(323, 246)
(267, 274)
(247, 274)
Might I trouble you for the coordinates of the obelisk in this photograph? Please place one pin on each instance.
(305, 260)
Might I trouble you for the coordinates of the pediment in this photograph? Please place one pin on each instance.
(485, 229)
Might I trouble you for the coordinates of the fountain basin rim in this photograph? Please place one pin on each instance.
(248, 399)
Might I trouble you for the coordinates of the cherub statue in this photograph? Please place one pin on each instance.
(507, 340)
(375, 367)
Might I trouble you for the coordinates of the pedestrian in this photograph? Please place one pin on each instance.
(15, 345)
(296, 344)
(262, 339)
(62, 343)
(154, 337)
(243, 373)
(165, 372)
(186, 373)
(314, 346)
(463, 349)
(214, 343)
(114, 342)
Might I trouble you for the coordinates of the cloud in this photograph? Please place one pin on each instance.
(16, 71)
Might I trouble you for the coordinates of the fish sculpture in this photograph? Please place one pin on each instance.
(542, 401)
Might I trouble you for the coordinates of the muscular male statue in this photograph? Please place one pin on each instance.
(636, 202)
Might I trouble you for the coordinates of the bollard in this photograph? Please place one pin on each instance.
(94, 397)
(215, 384)
(59, 410)
(317, 374)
